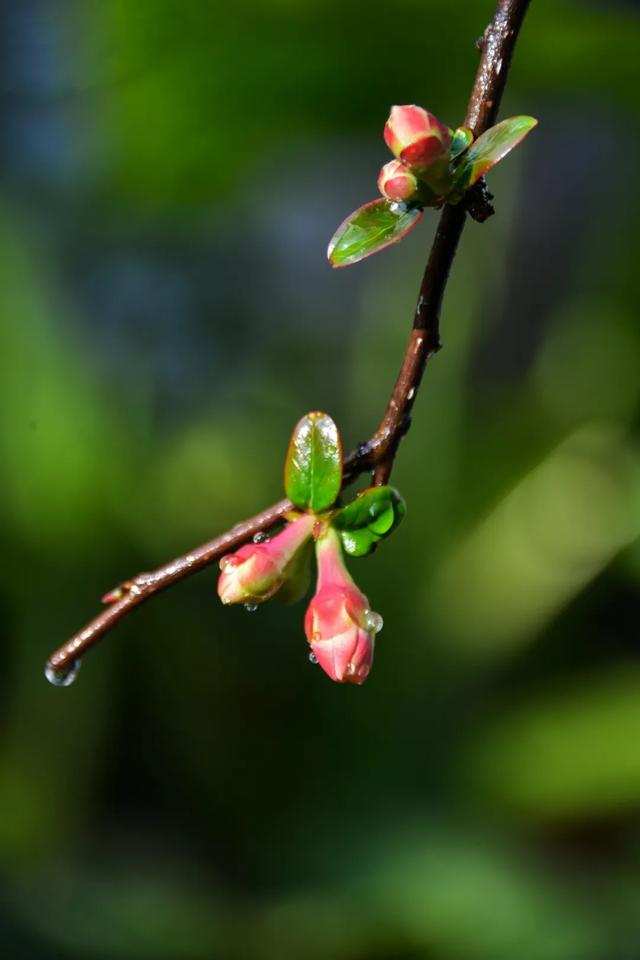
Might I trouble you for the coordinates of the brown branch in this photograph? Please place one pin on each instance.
(378, 453)
(497, 45)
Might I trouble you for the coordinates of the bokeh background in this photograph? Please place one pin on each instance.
(171, 173)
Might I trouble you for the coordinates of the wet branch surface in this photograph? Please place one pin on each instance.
(377, 454)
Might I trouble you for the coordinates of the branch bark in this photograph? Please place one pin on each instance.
(378, 453)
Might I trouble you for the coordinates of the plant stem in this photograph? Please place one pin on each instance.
(378, 453)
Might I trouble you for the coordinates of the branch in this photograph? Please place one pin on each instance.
(378, 453)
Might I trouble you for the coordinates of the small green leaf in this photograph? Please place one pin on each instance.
(357, 544)
(491, 147)
(460, 141)
(384, 521)
(313, 468)
(372, 514)
(369, 229)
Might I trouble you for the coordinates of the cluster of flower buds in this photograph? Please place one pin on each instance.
(433, 165)
(340, 625)
(422, 145)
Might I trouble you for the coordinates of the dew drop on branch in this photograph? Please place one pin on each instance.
(62, 678)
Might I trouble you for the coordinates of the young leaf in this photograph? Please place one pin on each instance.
(460, 141)
(357, 543)
(372, 515)
(371, 228)
(313, 468)
(490, 148)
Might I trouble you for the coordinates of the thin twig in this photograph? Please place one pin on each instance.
(378, 453)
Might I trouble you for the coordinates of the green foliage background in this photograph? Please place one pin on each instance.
(171, 175)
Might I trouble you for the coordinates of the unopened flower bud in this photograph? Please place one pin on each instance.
(339, 624)
(258, 570)
(396, 182)
(417, 138)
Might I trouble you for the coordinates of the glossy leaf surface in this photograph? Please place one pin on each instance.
(372, 515)
(490, 148)
(313, 468)
(369, 229)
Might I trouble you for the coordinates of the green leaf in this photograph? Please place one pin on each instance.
(313, 468)
(490, 148)
(460, 141)
(357, 544)
(372, 515)
(369, 229)
(383, 523)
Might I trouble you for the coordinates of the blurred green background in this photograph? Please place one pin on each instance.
(171, 174)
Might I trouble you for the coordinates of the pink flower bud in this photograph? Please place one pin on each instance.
(258, 570)
(397, 183)
(339, 624)
(416, 137)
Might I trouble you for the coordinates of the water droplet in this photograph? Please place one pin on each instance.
(261, 537)
(372, 621)
(398, 207)
(350, 670)
(62, 678)
(251, 607)
(312, 657)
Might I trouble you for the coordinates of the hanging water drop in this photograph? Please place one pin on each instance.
(312, 657)
(251, 607)
(372, 621)
(62, 678)
(261, 537)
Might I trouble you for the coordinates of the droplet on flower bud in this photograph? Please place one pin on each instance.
(372, 621)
